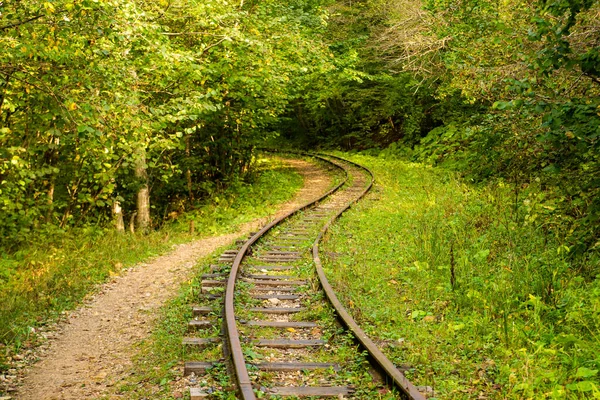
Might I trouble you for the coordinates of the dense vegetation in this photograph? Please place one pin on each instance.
(496, 89)
(103, 102)
(121, 112)
(106, 101)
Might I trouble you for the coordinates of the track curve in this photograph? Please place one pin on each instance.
(235, 347)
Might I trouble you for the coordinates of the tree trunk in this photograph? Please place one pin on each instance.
(131, 223)
(143, 195)
(188, 173)
(50, 158)
(118, 216)
(50, 201)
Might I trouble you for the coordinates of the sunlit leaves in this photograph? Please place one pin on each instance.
(84, 83)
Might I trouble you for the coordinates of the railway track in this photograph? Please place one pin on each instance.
(274, 324)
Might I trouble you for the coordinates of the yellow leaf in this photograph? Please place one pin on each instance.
(291, 330)
(72, 107)
(49, 7)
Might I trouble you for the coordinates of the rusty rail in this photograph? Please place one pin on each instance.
(377, 357)
(233, 337)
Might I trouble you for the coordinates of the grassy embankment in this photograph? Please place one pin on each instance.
(467, 287)
(54, 274)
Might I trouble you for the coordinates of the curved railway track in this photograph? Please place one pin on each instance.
(280, 318)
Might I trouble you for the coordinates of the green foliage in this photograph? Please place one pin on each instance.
(89, 87)
(538, 120)
(269, 184)
(478, 297)
(498, 90)
(353, 102)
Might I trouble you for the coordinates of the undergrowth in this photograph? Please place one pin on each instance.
(471, 287)
(55, 272)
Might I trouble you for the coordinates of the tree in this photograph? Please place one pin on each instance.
(106, 101)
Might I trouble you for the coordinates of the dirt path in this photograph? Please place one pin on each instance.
(96, 344)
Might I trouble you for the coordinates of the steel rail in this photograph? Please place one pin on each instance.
(382, 362)
(233, 337)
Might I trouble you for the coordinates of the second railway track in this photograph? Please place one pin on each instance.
(268, 306)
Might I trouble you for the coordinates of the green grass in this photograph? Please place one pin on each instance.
(54, 273)
(520, 319)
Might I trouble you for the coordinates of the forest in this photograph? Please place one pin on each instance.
(123, 115)
(104, 102)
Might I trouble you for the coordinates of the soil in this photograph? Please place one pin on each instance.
(92, 349)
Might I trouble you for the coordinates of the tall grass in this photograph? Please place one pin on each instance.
(476, 290)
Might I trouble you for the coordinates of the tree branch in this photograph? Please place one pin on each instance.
(213, 45)
(190, 33)
(15, 24)
(592, 77)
